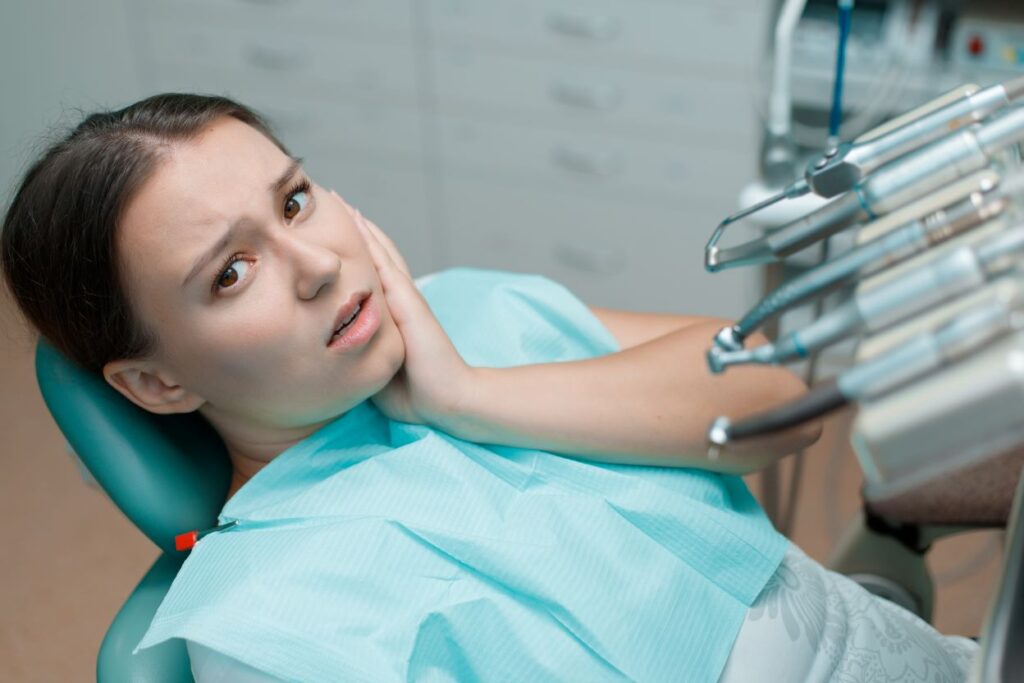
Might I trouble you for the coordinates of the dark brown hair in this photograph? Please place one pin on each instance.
(58, 248)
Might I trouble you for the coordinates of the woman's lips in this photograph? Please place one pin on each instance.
(361, 329)
(346, 310)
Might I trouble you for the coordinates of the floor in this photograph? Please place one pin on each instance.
(71, 558)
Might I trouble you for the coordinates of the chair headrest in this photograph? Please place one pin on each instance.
(168, 473)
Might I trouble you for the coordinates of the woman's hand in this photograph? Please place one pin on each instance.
(434, 381)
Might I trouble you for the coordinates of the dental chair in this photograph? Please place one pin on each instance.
(168, 474)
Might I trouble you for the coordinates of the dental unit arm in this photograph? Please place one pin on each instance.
(908, 295)
(938, 266)
(986, 198)
(895, 184)
(1002, 313)
(840, 168)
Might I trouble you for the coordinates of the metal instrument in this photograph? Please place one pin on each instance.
(1001, 314)
(899, 182)
(842, 168)
(897, 246)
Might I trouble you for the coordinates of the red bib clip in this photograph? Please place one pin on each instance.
(187, 540)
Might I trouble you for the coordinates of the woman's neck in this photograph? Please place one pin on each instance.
(250, 448)
(237, 481)
(245, 466)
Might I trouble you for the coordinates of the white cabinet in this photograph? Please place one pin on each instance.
(615, 253)
(380, 20)
(701, 35)
(596, 141)
(567, 158)
(612, 99)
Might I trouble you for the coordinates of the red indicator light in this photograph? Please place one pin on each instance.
(975, 45)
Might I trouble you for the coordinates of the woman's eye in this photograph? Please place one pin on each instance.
(296, 202)
(229, 276)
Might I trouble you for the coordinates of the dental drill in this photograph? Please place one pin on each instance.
(897, 183)
(952, 341)
(841, 168)
(989, 196)
(948, 277)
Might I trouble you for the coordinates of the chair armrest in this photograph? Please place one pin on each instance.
(165, 663)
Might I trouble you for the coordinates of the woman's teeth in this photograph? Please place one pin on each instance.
(350, 319)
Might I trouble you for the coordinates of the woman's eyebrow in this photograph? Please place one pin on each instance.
(275, 188)
(278, 185)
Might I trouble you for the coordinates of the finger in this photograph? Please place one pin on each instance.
(405, 302)
(348, 207)
(370, 233)
(378, 253)
(380, 235)
(386, 242)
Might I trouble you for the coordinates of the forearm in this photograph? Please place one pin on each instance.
(651, 404)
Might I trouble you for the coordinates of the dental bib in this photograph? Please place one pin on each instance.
(376, 550)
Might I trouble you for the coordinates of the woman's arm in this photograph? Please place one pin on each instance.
(650, 404)
(631, 328)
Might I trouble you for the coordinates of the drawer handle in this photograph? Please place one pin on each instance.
(600, 97)
(591, 27)
(602, 164)
(597, 261)
(265, 57)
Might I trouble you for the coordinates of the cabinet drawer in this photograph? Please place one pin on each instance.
(308, 124)
(720, 36)
(391, 195)
(631, 255)
(633, 102)
(387, 132)
(382, 18)
(214, 57)
(682, 174)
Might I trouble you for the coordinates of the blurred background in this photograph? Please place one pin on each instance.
(597, 142)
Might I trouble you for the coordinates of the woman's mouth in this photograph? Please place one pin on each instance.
(359, 328)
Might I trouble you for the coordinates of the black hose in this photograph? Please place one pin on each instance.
(821, 399)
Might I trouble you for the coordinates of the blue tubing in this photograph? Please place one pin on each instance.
(845, 13)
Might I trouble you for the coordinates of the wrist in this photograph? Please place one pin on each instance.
(460, 417)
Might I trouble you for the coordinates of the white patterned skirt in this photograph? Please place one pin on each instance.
(812, 624)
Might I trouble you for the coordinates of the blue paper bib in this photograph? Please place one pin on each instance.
(380, 551)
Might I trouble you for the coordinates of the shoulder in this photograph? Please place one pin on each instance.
(466, 289)
(463, 276)
(498, 318)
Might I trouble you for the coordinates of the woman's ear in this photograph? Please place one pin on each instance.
(145, 386)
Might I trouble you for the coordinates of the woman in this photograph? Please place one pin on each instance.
(176, 248)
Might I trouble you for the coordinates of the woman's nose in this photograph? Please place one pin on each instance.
(316, 267)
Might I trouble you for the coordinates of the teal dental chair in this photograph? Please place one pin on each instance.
(168, 474)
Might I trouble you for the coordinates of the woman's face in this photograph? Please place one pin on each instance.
(245, 335)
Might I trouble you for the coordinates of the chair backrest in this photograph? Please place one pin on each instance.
(168, 474)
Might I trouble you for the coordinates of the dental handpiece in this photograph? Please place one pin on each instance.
(892, 186)
(896, 246)
(883, 374)
(908, 295)
(840, 168)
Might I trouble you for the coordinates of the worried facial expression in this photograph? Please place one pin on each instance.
(241, 265)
